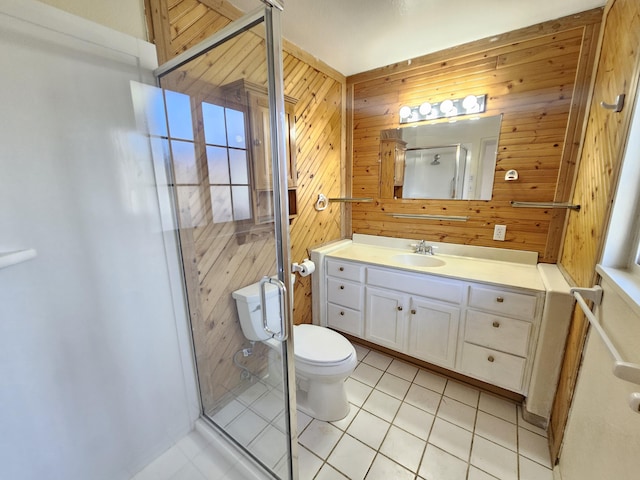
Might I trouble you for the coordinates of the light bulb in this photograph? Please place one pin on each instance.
(405, 112)
(425, 108)
(446, 106)
(470, 102)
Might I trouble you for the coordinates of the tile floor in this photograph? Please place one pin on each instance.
(405, 423)
(408, 423)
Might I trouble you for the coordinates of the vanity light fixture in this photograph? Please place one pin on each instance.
(447, 108)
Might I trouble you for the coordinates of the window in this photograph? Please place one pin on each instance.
(226, 150)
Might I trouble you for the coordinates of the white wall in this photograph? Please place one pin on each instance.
(602, 438)
(93, 380)
(126, 16)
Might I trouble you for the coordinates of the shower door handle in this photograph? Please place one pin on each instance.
(283, 298)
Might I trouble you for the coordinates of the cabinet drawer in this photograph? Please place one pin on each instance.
(417, 284)
(346, 270)
(495, 367)
(344, 293)
(345, 319)
(504, 302)
(497, 332)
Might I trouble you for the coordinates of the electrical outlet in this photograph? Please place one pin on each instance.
(499, 232)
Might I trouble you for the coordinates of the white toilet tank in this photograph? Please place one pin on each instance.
(248, 303)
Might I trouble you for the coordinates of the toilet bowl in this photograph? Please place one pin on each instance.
(323, 358)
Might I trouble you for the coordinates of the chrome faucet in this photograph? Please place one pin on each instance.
(423, 249)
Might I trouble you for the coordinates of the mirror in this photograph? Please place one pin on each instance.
(447, 160)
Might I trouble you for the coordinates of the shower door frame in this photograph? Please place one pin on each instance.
(270, 14)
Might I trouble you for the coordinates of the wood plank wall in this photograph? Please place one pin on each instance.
(617, 72)
(538, 78)
(216, 263)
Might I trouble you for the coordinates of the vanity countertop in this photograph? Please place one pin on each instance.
(490, 266)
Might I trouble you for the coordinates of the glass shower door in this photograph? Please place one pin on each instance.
(223, 139)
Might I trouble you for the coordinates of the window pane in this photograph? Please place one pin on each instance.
(235, 128)
(239, 172)
(221, 204)
(241, 203)
(179, 113)
(184, 162)
(218, 165)
(213, 118)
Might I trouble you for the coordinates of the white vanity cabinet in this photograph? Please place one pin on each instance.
(498, 335)
(485, 331)
(345, 296)
(424, 309)
(385, 318)
(491, 314)
(433, 331)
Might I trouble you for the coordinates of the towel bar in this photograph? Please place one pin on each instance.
(624, 370)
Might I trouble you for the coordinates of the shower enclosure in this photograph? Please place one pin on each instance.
(219, 124)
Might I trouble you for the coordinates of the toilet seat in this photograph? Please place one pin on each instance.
(320, 346)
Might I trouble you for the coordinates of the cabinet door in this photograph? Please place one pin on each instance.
(260, 142)
(385, 318)
(433, 331)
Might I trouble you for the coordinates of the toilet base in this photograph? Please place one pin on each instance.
(324, 401)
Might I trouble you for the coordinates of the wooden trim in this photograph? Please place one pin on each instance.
(157, 14)
(347, 154)
(312, 61)
(574, 134)
(592, 16)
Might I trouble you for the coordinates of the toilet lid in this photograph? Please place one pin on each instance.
(320, 345)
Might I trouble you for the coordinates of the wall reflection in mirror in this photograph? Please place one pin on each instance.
(446, 160)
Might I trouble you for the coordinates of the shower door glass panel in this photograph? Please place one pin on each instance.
(229, 235)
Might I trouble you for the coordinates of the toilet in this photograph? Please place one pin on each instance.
(323, 358)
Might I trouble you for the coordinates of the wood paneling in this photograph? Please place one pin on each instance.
(606, 133)
(216, 263)
(537, 78)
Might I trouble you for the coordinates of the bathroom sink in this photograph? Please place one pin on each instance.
(417, 260)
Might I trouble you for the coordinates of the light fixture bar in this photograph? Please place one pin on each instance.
(447, 108)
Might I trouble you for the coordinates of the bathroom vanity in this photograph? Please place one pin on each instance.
(491, 314)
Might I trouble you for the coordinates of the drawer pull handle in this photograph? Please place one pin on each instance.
(341, 269)
(499, 299)
(341, 287)
(342, 313)
(413, 312)
(399, 308)
(490, 359)
(496, 324)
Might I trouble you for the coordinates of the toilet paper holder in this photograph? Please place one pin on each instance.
(306, 268)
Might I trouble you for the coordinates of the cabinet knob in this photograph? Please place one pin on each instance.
(399, 308)
(496, 324)
(342, 313)
(413, 312)
(499, 299)
(341, 269)
(490, 359)
(341, 287)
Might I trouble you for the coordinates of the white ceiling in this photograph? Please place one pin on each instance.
(354, 36)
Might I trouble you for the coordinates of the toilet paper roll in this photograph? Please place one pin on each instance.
(307, 267)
